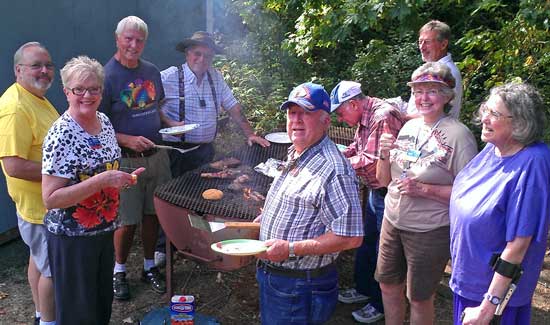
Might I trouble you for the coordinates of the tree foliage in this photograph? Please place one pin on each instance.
(291, 41)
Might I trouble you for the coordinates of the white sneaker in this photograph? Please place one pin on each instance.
(367, 314)
(160, 259)
(351, 296)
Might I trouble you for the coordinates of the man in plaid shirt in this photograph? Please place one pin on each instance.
(312, 212)
(373, 117)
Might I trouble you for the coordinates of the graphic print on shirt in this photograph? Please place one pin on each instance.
(101, 207)
(139, 94)
(433, 150)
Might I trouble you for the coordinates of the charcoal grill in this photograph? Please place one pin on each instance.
(182, 196)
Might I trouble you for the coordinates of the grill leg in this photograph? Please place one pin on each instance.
(169, 268)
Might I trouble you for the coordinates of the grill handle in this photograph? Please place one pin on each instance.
(242, 225)
(198, 257)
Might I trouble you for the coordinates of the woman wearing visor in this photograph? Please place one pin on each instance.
(419, 168)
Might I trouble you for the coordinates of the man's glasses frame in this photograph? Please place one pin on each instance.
(38, 66)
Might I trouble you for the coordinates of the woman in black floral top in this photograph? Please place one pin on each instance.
(80, 186)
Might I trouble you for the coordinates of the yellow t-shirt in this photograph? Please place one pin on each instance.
(24, 122)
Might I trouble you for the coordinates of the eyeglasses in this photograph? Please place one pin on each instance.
(79, 91)
(429, 92)
(39, 66)
(484, 110)
(426, 41)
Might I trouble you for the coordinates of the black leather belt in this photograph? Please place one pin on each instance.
(293, 273)
(129, 153)
(381, 191)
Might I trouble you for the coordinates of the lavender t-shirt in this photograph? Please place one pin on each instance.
(494, 200)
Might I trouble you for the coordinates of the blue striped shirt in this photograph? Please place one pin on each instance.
(194, 113)
(316, 193)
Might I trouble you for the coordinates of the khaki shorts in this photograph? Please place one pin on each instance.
(34, 235)
(137, 201)
(417, 257)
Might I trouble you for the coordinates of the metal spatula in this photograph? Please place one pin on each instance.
(177, 149)
(212, 226)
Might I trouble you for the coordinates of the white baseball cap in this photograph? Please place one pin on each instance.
(343, 91)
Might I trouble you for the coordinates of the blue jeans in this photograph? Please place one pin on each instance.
(367, 253)
(292, 301)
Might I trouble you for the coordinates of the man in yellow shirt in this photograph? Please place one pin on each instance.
(25, 118)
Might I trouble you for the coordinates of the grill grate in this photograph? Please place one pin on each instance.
(186, 190)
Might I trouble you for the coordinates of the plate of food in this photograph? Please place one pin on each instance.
(180, 129)
(239, 247)
(278, 137)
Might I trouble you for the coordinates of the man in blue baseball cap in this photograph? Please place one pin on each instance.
(312, 212)
(372, 117)
(308, 115)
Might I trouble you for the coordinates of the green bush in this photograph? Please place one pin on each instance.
(288, 42)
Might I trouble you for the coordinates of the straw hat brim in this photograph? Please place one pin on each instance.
(184, 45)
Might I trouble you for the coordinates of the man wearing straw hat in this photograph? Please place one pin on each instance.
(195, 94)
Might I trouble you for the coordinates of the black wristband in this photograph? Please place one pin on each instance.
(505, 268)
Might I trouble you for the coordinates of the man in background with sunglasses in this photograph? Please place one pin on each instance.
(25, 118)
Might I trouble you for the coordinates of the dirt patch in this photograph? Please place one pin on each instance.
(230, 297)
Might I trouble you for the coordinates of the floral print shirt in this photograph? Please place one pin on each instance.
(70, 152)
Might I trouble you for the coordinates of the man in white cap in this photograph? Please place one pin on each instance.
(373, 117)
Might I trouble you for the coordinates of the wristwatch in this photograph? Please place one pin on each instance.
(492, 299)
(291, 254)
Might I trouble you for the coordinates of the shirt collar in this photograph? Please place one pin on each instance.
(311, 150)
(447, 58)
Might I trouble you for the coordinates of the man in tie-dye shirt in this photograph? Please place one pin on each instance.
(131, 99)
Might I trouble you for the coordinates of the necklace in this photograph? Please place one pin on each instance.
(413, 154)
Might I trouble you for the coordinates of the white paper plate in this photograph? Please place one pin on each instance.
(239, 247)
(278, 137)
(179, 129)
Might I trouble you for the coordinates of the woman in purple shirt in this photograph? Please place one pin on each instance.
(500, 204)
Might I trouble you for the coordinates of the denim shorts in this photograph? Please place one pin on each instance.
(287, 300)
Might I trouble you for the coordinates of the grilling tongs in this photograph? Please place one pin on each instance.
(213, 226)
